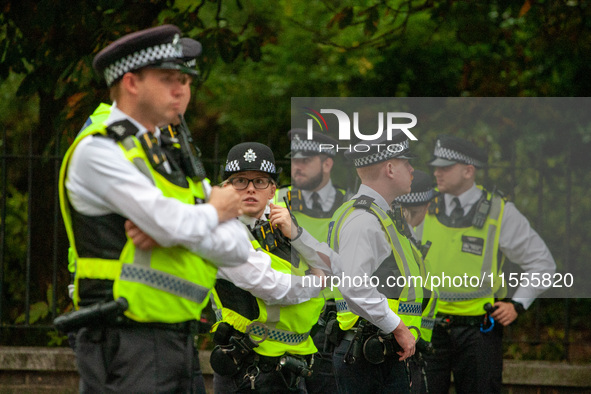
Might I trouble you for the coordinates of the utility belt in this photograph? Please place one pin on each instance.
(485, 322)
(110, 314)
(187, 327)
(371, 342)
(446, 321)
(234, 353)
(100, 314)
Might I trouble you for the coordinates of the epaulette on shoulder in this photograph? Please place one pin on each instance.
(435, 204)
(496, 192)
(363, 202)
(501, 194)
(121, 130)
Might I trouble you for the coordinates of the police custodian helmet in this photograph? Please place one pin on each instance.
(251, 156)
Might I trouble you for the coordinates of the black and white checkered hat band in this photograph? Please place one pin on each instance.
(232, 166)
(388, 152)
(140, 59)
(416, 198)
(298, 145)
(267, 166)
(450, 154)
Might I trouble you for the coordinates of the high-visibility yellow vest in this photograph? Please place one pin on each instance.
(278, 329)
(167, 285)
(316, 226)
(468, 255)
(430, 303)
(409, 305)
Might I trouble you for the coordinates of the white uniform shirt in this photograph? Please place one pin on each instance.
(363, 247)
(326, 194)
(102, 181)
(518, 241)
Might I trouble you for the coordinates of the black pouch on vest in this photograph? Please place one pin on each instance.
(227, 360)
(333, 331)
(377, 347)
(222, 362)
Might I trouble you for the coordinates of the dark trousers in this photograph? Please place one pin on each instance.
(323, 379)
(137, 360)
(475, 358)
(391, 376)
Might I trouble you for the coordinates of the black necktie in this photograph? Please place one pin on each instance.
(316, 202)
(458, 211)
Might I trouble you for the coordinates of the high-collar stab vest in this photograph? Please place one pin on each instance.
(406, 302)
(167, 285)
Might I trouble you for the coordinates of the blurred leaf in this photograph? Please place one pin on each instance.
(37, 311)
(525, 8)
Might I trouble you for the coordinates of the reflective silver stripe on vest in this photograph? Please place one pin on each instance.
(487, 261)
(218, 315)
(404, 308)
(128, 143)
(165, 282)
(450, 296)
(263, 331)
(337, 228)
(427, 323)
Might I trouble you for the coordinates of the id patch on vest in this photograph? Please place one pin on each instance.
(472, 245)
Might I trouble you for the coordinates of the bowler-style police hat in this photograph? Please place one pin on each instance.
(191, 49)
(373, 152)
(421, 190)
(156, 47)
(302, 147)
(450, 150)
(251, 156)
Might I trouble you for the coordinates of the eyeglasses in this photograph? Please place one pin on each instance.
(241, 183)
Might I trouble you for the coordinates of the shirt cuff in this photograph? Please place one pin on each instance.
(388, 323)
(526, 302)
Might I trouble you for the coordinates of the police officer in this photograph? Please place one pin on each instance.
(416, 203)
(116, 171)
(375, 316)
(472, 230)
(265, 305)
(414, 208)
(191, 49)
(313, 200)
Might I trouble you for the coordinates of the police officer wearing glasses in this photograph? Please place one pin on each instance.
(266, 307)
